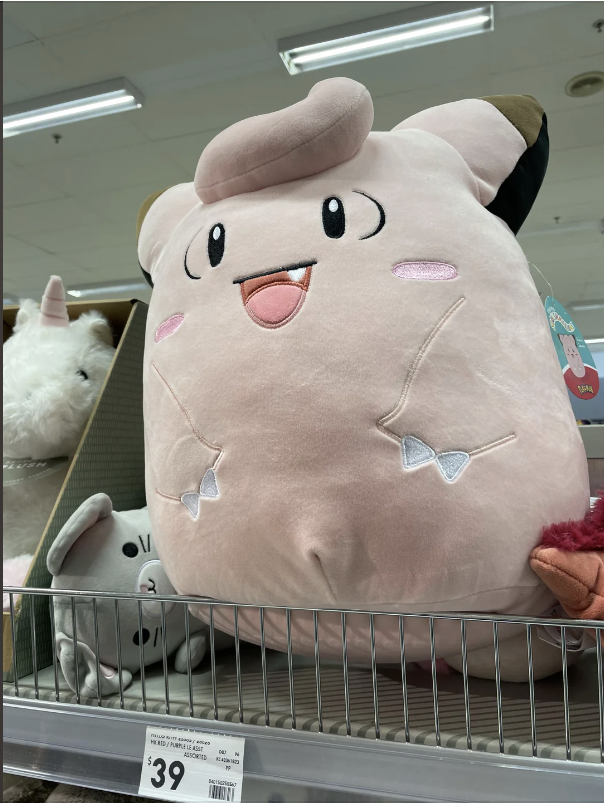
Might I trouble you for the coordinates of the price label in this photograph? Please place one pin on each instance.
(185, 766)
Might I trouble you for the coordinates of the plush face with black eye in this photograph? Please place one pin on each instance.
(274, 296)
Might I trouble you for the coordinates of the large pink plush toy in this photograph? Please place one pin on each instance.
(352, 399)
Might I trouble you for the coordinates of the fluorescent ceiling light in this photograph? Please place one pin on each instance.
(99, 290)
(381, 35)
(593, 340)
(72, 106)
(587, 307)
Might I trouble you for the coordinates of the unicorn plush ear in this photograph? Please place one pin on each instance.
(28, 313)
(96, 325)
(503, 139)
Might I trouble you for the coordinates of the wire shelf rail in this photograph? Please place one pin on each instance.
(396, 703)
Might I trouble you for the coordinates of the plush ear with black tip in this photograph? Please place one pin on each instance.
(504, 141)
(158, 216)
(86, 516)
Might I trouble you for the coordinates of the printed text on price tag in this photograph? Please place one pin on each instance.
(185, 766)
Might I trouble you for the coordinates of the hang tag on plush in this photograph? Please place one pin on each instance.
(578, 366)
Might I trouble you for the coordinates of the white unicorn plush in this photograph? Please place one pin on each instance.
(53, 373)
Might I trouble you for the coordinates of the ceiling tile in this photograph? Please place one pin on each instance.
(594, 290)
(107, 259)
(207, 108)
(572, 192)
(542, 217)
(13, 248)
(576, 128)
(160, 35)
(186, 151)
(31, 70)
(122, 206)
(12, 36)
(20, 187)
(558, 33)
(45, 19)
(77, 139)
(123, 167)
(64, 241)
(49, 215)
(575, 163)
(546, 82)
(41, 266)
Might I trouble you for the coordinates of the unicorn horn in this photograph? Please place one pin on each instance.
(53, 307)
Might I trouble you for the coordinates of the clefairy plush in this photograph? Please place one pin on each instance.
(100, 549)
(53, 373)
(351, 395)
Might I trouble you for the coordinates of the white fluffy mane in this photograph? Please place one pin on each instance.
(52, 378)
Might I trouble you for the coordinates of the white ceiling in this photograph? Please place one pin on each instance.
(70, 208)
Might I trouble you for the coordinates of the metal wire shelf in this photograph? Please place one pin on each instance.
(282, 699)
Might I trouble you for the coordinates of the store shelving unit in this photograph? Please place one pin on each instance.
(544, 746)
(103, 749)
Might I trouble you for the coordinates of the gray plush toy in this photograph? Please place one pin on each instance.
(100, 549)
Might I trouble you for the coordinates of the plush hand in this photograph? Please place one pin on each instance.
(570, 561)
(576, 578)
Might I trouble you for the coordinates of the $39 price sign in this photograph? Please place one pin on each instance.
(185, 766)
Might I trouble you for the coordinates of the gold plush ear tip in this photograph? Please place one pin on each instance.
(145, 206)
(517, 194)
(524, 112)
(142, 214)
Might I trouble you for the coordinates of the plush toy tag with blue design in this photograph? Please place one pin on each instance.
(578, 366)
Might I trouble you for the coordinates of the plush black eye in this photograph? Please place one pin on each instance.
(136, 638)
(130, 550)
(334, 220)
(216, 244)
(83, 374)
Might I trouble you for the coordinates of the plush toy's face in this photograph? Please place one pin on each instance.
(52, 378)
(245, 246)
(340, 370)
(575, 361)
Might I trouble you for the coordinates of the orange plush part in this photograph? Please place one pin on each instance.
(576, 578)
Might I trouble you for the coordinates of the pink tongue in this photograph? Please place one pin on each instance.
(275, 304)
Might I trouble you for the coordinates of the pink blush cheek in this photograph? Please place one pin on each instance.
(168, 327)
(427, 271)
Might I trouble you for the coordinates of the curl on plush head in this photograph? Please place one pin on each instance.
(53, 372)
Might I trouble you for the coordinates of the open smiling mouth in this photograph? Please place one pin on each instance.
(273, 298)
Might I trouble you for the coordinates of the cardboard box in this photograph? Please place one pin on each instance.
(109, 459)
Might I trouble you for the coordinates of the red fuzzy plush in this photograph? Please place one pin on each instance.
(572, 536)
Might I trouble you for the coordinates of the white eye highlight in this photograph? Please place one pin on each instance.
(216, 232)
(333, 205)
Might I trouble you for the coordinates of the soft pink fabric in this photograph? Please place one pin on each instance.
(168, 327)
(302, 424)
(14, 572)
(322, 131)
(53, 308)
(491, 145)
(442, 667)
(428, 271)
(275, 304)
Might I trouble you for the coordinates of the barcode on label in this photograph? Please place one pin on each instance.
(221, 792)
